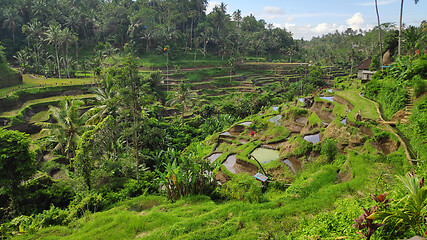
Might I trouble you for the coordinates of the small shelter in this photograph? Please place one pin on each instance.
(363, 72)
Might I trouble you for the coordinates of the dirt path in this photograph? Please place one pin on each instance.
(387, 127)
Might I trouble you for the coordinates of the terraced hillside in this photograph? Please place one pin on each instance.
(247, 77)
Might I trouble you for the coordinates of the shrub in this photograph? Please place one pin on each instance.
(40, 193)
(84, 203)
(242, 187)
(329, 149)
(53, 216)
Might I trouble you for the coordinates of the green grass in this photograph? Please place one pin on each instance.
(40, 117)
(198, 217)
(38, 81)
(339, 110)
(366, 107)
(42, 100)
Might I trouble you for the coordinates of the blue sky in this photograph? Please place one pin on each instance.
(306, 18)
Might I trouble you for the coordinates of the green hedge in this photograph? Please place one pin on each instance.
(9, 76)
(15, 98)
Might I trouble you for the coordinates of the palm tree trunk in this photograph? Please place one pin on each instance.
(137, 158)
(77, 50)
(379, 33)
(400, 29)
(57, 60)
(67, 61)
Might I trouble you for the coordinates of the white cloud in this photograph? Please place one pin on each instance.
(290, 18)
(371, 3)
(211, 6)
(271, 17)
(273, 10)
(356, 21)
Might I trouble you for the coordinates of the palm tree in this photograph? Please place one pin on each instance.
(379, 32)
(400, 25)
(53, 36)
(104, 97)
(69, 126)
(67, 38)
(34, 32)
(412, 35)
(183, 96)
(12, 20)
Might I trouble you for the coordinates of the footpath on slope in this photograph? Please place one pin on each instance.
(387, 126)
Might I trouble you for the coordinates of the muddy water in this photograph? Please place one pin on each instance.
(276, 119)
(245, 123)
(330, 99)
(214, 157)
(230, 162)
(264, 155)
(290, 165)
(312, 138)
(293, 163)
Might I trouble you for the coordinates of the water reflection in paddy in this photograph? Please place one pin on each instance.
(275, 108)
(264, 155)
(230, 162)
(290, 165)
(276, 119)
(312, 138)
(214, 157)
(245, 123)
(330, 99)
(344, 121)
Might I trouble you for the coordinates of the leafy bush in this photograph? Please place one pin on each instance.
(243, 187)
(187, 173)
(19, 225)
(40, 193)
(53, 216)
(85, 203)
(329, 149)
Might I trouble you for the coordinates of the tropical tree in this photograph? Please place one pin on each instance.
(401, 26)
(412, 35)
(379, 32)
(130, 96)
(68, 128)
(67, 37)
(53, 36)
(105, 96)
(183, 97)
(12, 21)
(34, 31)
(17, 161)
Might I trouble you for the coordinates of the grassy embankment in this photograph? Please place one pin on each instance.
(366, 107)
(30, 81)
(152, 217)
